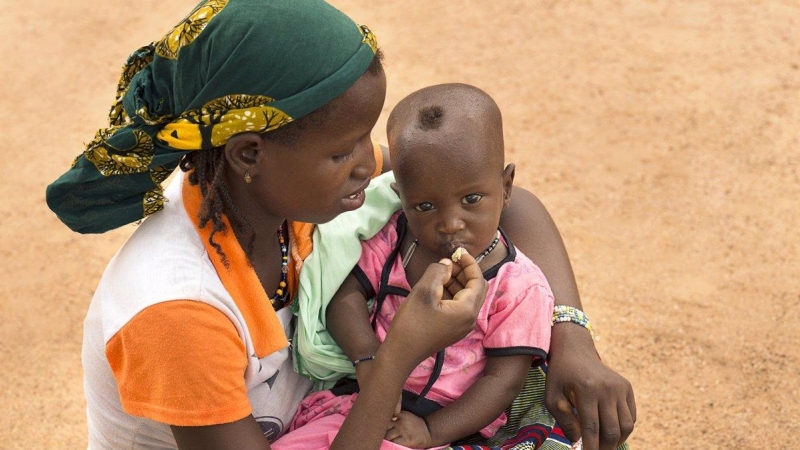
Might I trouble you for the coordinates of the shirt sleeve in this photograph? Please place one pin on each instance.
(181, 363)
(520, 320)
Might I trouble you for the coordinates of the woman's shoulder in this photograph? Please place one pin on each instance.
(164, 259)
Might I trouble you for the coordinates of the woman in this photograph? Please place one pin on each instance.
(267, 106)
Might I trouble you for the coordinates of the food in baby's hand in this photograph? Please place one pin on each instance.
(460, 251)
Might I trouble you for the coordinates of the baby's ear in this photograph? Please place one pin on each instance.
(508, 184)
(395, 188)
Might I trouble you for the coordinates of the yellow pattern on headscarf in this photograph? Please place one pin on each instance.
(110, 160)
(369, 38)
(136, 62)
(218, 120)
(188, 30)
(153, 201)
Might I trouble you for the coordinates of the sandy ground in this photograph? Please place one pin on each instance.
(663, 136)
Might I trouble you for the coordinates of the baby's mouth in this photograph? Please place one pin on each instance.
(452, 246)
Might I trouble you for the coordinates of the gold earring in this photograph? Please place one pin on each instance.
(247, 178)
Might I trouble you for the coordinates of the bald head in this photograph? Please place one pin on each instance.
(438, 117)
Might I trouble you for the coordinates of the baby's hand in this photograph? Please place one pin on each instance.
(410, 431)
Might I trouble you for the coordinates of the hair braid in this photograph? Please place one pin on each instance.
(206, 169)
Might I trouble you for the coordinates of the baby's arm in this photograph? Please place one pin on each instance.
(348, 323)
(482, 403)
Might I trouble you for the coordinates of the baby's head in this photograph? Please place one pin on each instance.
(446, 145)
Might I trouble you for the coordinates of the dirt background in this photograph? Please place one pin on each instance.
(663, 136)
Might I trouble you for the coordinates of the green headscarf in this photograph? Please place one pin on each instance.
(230, 66)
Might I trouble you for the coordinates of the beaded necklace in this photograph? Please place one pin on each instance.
(282, 293)
(478, 259)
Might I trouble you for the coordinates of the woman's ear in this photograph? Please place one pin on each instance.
(508, 184)
(243, 152)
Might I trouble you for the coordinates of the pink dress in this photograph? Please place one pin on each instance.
(515, 320)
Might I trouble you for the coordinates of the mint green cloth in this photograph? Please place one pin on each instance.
(337, 248)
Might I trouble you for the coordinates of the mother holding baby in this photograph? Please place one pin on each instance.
(267, 107)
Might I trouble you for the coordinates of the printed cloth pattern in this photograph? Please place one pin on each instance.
(209, 78)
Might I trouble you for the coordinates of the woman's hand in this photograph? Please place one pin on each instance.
(425, 323)
(603, 399)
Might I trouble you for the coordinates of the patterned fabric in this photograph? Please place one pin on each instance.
(230, 66)
(530, 426)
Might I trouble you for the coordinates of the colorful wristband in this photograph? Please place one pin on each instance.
(562, 313)
(360, 360)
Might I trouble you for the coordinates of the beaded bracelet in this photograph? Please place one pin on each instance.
(563, 313)
(360, 360)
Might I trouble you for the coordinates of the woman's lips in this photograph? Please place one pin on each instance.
(355, 200)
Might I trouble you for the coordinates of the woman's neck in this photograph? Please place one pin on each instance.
(257, 233)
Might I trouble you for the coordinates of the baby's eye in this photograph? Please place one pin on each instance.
(471, 198)
(425, 206)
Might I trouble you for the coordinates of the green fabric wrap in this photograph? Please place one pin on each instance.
(337, 248)
(230, 66)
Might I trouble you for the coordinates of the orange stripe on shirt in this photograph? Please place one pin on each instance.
(180, 362)
(239, 279)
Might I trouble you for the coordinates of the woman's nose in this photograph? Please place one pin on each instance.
(365, 163)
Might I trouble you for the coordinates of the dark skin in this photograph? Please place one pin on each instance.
(336, 161)
(446, 209)
(604, 400)
(526, 221)
(577, 378)
(399, 354)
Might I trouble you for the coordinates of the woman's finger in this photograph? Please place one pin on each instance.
(589, 419)
(453, 285)
(564, 413)
(475, 285)
(631, 401)
(431, 285)
(626, 422)
(610, 433)
(398, 407)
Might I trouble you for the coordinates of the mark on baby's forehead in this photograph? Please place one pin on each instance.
(430, 117)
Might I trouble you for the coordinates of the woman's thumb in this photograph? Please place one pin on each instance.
(431, 285)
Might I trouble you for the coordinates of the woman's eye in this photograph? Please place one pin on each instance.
(422, 207)
(344, 157)
(471, 198)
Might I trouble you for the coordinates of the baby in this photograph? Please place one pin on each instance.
(446, 145)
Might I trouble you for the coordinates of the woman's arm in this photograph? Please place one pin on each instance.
(576, 378)
(423, 324)
(482, 403)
